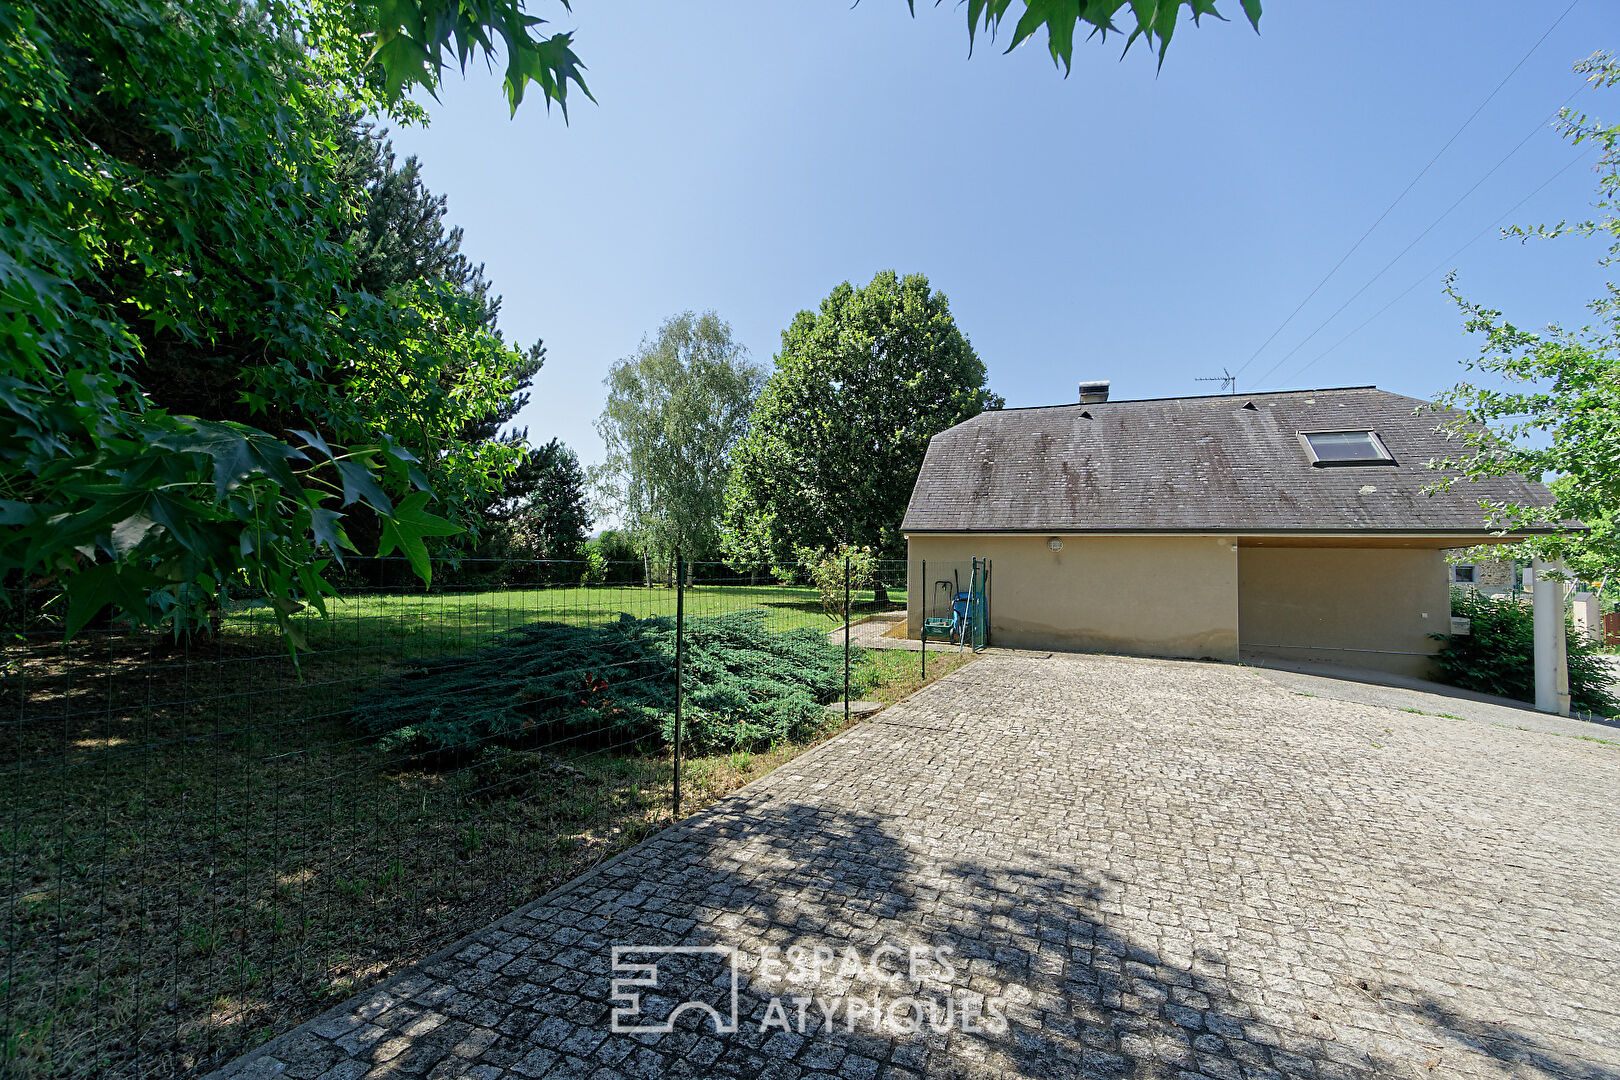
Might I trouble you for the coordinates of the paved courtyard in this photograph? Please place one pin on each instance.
(1147, 868)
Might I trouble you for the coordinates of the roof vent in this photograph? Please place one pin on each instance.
(1093, 392)
(1250, 406)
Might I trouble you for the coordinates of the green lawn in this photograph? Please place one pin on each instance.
(418, 623)
(205, 852)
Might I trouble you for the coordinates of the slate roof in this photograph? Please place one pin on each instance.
(1197, 464)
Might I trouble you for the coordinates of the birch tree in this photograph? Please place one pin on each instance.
(675, 409)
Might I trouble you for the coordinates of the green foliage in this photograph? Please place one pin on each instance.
(596, 566)
(745, 688)
(1550, 406)
(395, 45)
(618, 557)
(838, 435)
(1154, 21)
(200, 390)
(398, 44)
(674, 411)
(549, 520)
(557, 512)
(1498, 655)
(462, 385)
(1594, 554)
(838, 573)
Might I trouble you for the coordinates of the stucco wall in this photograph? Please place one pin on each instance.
(1361, 607)
(1146, 596)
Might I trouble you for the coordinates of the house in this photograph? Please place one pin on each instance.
(1292, 526)
(1490, 577)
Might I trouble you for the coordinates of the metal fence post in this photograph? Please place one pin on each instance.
(986, 603)
(849, 616)
(922, 602)
(680, 671)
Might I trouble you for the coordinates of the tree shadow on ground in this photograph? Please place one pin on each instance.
(534, 995)
(1517, 1051)
(1081, 998)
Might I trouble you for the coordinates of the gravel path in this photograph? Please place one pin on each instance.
(870, 635)
(1149, 868)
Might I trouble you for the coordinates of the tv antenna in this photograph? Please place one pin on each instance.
(1227, 380)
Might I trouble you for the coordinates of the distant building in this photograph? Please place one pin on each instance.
(1492, 577)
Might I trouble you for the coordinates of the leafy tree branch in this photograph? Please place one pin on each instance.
(1546, 404)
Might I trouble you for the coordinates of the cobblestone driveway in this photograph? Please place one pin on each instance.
(1158, 868)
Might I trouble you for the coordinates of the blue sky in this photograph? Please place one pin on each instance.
(1140, 226)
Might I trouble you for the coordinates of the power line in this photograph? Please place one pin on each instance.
(1417, 239)
(1404, 191)
(1440, 265)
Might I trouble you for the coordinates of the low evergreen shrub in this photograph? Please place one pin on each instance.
(1498, 655)
(745, 688)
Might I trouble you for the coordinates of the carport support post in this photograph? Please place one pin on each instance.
(1551, 649)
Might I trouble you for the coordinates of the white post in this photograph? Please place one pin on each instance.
(1561, 664)
(1552, 661)
(1586, 615)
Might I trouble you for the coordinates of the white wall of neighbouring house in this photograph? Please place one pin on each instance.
(1138, 595)
(1359, 607)
(1587, 614)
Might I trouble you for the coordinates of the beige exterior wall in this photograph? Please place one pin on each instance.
(1141, 595)
(1360, 607)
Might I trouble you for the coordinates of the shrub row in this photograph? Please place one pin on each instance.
(745, 687)
(1497, 656)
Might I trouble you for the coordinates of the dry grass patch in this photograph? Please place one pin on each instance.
(201, 852)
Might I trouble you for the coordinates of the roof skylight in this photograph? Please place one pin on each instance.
(1329, 448)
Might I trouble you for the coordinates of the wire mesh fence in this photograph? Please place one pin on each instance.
(206, 840)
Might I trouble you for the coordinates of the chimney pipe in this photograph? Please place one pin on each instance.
(1093, 392)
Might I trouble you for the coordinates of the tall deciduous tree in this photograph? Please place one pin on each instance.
(839, 433)
(675, 409)
(1551, 405)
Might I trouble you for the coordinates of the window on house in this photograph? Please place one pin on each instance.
(1346, 448)
(1465, 574)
